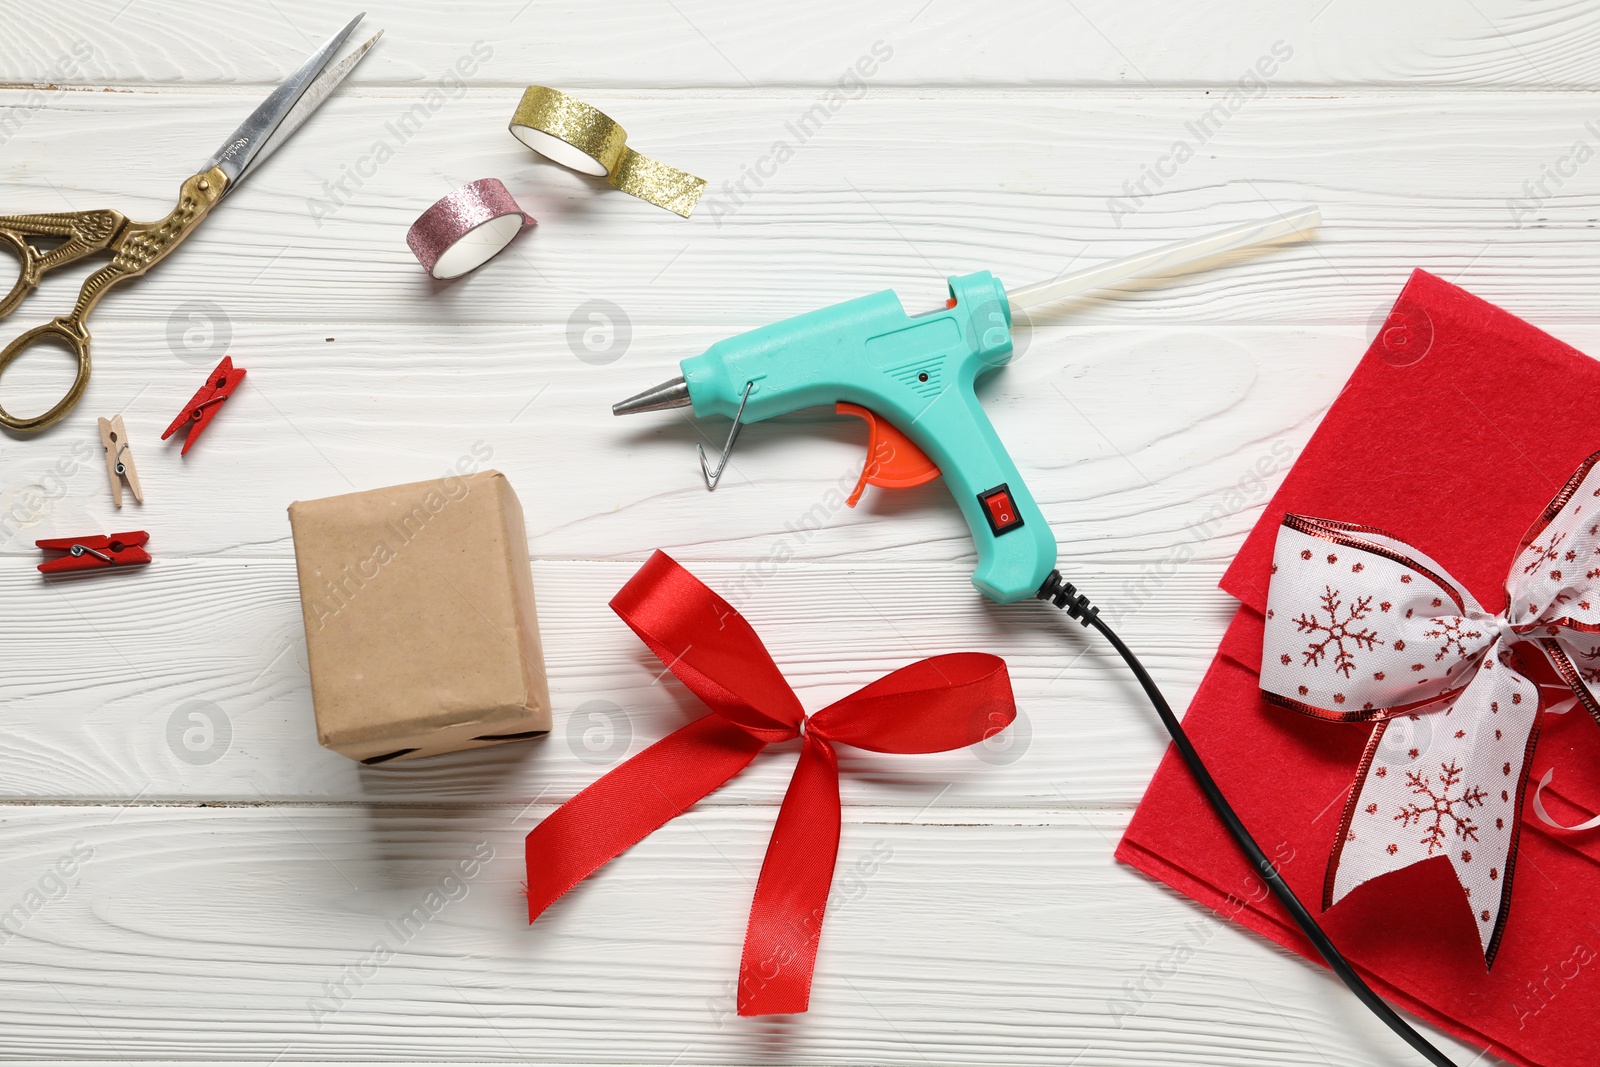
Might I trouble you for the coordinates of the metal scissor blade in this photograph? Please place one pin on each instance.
(312, 99)
(243, 147)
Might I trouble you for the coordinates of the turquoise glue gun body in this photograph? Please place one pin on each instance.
(911, 378)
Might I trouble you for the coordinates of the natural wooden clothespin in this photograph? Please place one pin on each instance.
(119, 459)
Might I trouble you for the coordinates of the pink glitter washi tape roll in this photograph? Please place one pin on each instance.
(467, 228)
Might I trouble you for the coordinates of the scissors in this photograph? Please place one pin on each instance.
(135, 247)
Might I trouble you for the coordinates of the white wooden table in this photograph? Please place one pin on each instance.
(157, 733)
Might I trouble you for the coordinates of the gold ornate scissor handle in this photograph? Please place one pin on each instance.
(135, 247)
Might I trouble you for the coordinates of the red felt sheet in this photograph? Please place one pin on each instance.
(1453, 433)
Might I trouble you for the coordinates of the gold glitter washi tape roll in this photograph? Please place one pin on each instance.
(570, 132)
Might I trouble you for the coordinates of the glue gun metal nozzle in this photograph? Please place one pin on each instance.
(673, 394)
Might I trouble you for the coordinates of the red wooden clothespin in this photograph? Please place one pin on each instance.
(93, 553)
(220, 385)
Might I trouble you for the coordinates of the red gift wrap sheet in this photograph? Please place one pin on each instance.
(1456, 429)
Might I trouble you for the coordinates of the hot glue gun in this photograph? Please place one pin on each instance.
(911, 378)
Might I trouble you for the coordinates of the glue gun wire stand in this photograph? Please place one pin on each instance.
(1065, 596)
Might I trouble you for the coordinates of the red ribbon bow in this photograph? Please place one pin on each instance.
(933, 705)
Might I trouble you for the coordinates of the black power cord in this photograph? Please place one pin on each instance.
(1063, 595)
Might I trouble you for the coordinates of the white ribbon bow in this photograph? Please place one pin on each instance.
(1361, 627)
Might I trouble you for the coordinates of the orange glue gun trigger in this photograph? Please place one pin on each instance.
(893, 462)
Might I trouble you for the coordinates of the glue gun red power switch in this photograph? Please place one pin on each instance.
(911, 377)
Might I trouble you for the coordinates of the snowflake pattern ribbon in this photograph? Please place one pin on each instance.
(1362, 627)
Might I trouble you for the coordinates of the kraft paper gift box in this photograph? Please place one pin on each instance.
(420, 624)
(1454, 432)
